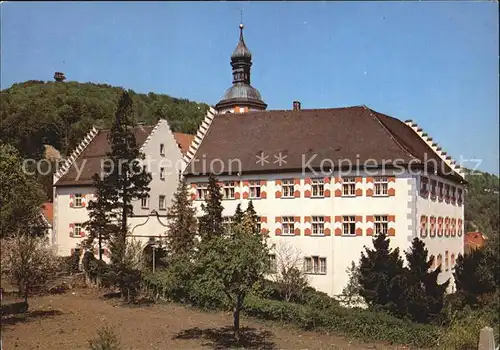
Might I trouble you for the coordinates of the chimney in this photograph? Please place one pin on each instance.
(296, 105)
(59, 77)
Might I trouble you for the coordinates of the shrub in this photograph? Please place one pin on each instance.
(106, 340)
(363, 324)
(463, 332)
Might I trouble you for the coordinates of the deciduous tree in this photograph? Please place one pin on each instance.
(28, 261)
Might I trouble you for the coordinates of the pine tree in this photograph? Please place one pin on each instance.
(474, 276)
(211, 223)
(423, 293)
(182, 226)
(126, 181)
(102, 224)
(252, 216)
(238, 215)
(381, 276)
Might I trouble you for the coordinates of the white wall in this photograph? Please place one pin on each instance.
(339, 250)
(439, 245)
(64, 215)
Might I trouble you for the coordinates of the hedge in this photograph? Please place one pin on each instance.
(362, 324)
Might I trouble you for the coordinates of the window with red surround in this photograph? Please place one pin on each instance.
(433, 229)
(453, 194)
(440, 226)
(459, 196)
(424, 184)
(447, 227)
(447, 193)
(440, 191)
(433, 189)
(423, 226)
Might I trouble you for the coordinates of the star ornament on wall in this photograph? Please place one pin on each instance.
(280, 159)
(262, 159)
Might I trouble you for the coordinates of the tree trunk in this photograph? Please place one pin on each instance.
(236, 317)
(100, 246)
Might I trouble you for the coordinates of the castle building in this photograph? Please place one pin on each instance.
(325, 181)
(73, 185)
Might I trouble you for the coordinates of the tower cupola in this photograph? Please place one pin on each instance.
(241, 96)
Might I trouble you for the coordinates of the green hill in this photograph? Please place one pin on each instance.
(35, 113)
(482, 203)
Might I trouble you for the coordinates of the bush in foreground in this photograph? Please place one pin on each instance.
(106, 340)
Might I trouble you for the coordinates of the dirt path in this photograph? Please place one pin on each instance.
(68, 321)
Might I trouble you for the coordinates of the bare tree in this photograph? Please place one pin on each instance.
(28, 261)
(289, 274)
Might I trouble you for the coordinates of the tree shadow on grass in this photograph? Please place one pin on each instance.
(223, 338)
(29, 316)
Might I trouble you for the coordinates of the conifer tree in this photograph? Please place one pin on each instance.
(211, 223)
(238, 215)
(423, 293)
(474, 275)
(125, 181)
(381, 276)
(102, 224)
(252, 216)
(182, 226)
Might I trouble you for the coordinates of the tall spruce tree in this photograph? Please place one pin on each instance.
(252, 216)
(381, 276)
(211, 223)
(474, 275)
(238, 215)
(102, 223)
(124, 179)
(423, 293)
(182, 226)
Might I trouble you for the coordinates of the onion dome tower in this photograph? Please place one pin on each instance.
(241, 97)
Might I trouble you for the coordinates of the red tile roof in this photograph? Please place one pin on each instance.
(99, 147)
(474, 239)
(184, 141)
(48, 212)
(352, 133)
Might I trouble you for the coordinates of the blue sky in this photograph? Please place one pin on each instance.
(433, 62)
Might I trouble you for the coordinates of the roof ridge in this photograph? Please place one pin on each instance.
(399, 144)
(76, 153)
(153, 131)
(438, 150)
(199, 136)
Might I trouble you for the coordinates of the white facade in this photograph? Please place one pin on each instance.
(149, 220)
(401, 205)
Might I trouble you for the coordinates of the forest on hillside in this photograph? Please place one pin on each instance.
(36, 113)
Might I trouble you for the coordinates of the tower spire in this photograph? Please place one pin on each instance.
(241, 93)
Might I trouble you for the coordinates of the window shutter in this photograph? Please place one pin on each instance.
(71, 198)
(338, 224)
(296, 221)
(277, 184)
(359, 222)
(71, 230)
(263, 189)
(307, 187)
(296, 188)
(245, 189)
(369, 224)
(307, 225)
(84, 200)
(391, 231)
(193, 192)
(369, 188)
